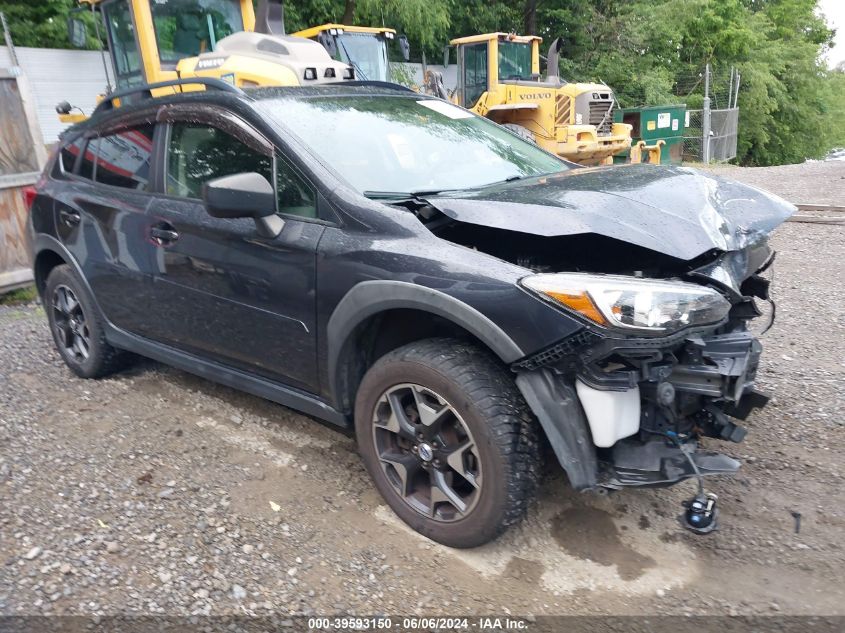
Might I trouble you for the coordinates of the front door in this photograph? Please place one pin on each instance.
(223, 291)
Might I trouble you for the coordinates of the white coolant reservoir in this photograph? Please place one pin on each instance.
(612, 414)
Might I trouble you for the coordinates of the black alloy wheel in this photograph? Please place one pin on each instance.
(427, 452)
(70, 325)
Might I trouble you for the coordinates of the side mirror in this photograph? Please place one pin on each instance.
(246, 195)
(77, 32)
(405, 47)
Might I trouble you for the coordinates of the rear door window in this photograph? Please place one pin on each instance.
(123, 159)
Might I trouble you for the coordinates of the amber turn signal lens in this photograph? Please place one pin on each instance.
(581, 303)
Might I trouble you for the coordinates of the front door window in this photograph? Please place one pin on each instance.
(199, 153)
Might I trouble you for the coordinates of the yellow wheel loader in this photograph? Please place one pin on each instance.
(364, 48)
(154, 41)
(499, 78)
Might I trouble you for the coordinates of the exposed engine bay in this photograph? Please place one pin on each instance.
(647, 400)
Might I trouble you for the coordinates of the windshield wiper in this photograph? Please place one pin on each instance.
(388, 195)
(405, 195)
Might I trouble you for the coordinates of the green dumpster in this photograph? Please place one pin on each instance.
(652, 124)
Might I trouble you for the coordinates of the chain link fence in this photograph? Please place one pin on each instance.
(724, 125)
(693, 150)
(723, 134)
(711, 132)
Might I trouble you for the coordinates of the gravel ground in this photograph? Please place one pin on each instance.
(157, 492)
(806, 183)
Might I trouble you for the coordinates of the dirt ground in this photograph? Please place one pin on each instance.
(154, 491)
(817, 182)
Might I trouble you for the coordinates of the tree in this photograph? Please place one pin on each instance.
(530, 17)
(649, 51)
(44, 23)
(425, 22)
(348, 13)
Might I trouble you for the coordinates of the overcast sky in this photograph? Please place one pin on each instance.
(834, 11)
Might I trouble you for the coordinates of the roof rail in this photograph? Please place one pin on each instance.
(147, 90)
(374, 84)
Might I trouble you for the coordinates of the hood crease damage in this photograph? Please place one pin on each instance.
(636, 218)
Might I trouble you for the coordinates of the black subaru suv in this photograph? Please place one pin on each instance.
(393, 264)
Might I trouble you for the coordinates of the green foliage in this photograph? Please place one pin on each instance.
(44, 23)
(19, 296)
(650, 52)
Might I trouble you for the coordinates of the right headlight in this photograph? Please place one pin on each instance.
(647, 306)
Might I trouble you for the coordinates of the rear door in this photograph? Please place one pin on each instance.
(101, 218)
(223, 291)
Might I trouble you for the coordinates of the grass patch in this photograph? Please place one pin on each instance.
(19, 296)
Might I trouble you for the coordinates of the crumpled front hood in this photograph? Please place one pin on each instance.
(676, 211)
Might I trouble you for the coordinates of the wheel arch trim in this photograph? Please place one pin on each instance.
(370, 298)
(48, 243)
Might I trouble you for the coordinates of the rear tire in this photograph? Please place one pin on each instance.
(448, 440)
(77, 326)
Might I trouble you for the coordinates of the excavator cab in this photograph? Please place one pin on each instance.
(499, 78)
(149, 38)
(155, 41)
(364, 48)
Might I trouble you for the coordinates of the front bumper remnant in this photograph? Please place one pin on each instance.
(657, 463)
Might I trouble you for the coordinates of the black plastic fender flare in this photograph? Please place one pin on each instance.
(371, 297)
(48, 243)
(557, 407)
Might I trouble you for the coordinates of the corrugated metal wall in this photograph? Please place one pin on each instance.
(59, 75)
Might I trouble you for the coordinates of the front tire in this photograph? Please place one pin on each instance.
(448, 440)
(77, 327)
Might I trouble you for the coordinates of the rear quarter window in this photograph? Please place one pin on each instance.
(69, 154)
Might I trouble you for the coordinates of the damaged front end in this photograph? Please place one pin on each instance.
(665, 275)
(647, 400)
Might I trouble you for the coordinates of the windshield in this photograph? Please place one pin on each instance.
(402, 144)
(366, 52)
(514, 61)
(187, 28)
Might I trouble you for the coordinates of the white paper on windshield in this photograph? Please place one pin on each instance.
(446, 109)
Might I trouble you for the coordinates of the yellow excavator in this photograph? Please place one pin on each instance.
(160, 41)
(364, 48)
(499, 78)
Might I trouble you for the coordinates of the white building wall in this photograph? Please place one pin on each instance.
(59, 75)
(77, 77)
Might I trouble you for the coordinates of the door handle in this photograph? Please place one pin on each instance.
(71, 218)
(164, 234)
